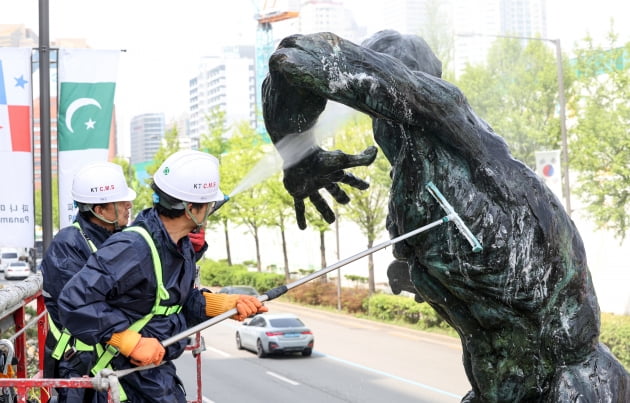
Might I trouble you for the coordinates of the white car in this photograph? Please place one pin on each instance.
(17, 271)
(6, 258)
(277, 333)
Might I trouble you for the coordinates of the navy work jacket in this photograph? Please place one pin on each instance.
(64, 257)
(117, 287)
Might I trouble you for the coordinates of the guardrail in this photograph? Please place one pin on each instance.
(15, 385)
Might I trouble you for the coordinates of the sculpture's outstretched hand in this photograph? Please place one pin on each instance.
(324, 169)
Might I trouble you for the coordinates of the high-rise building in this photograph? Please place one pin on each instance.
(17, 35)
(405, 16)
(146, 132)
(225, 83)
(328, 16)
(478, 22)
(37, 151)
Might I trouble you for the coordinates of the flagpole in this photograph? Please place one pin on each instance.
(44, 123)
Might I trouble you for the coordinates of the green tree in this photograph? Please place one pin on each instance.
(368, 209)
(55, 203)
(321, 226)
(437, 32)
(128, 171)
(600, 145)
(248, 207)
(170, 144)
(517, 92)
(280, 205)
(216, 142)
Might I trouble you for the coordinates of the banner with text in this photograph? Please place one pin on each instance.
(17, 219)
(87, 83)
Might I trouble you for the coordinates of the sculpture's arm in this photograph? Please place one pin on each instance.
(306, 71)
(289, 113)
(314, 68)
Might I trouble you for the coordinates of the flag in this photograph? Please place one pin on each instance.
(87, 84)
(17, 219)
(548, 168)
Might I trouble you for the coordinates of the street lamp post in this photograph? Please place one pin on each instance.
(562, 107)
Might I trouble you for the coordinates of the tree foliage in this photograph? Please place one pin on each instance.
(248, 206)
(54, 201)
(516, 91)
(600, 143)
(437, 32)
(216, 142)
(128, 171)
(280, 205)
(367, 208)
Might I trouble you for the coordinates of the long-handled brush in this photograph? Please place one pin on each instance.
(451, 215)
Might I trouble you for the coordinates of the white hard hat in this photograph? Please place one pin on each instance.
(190, 176)
(101, 182)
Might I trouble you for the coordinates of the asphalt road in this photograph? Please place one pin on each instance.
(354, 360)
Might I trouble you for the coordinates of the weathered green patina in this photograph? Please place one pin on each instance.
(525, 307)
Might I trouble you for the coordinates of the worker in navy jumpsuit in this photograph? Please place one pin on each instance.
(100, 214)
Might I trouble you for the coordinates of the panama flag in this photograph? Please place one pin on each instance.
(87, 83)
(17, 220)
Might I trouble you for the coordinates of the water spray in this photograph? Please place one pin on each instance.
(296, 146)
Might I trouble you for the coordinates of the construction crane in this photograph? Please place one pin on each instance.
(266, 15)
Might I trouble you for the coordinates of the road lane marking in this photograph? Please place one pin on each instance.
(206, 400)
(217, 351)
(282, 378)
(376, 371)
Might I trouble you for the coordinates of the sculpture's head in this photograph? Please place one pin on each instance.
(412, 50)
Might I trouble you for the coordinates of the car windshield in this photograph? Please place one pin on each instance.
(286, 322)
(9, 255)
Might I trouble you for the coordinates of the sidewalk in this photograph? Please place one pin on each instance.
(276, 305)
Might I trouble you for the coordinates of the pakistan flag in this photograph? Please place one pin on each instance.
(87, 87)
(85, 115)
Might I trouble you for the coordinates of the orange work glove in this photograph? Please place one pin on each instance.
(140, 350)
(198, 239)
(246, 305)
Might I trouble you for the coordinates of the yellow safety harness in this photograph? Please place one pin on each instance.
(162, 294)
(63, 336)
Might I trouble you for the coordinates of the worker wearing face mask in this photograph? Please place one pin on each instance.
(104, 200)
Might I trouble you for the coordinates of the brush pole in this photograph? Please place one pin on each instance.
(278, 291)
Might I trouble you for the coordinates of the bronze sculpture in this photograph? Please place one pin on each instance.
(524, 307)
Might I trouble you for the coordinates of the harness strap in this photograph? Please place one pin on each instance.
(63, 337)
(161, 294)
(63, 341)
(87, 238)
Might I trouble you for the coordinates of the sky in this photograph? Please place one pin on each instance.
(164, 40)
